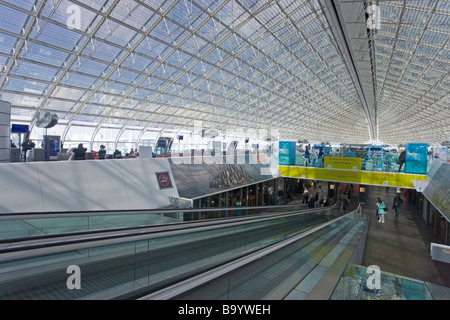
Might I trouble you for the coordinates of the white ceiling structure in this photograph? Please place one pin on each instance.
(314, 70)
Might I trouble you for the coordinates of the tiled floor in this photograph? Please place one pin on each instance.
(401, 245)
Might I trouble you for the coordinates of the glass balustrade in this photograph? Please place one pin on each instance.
(109, 270)
(13, 226)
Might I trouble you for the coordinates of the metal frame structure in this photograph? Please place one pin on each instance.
(118, 71)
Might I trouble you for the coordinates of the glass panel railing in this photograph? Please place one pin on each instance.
(389, 163)
(276, 274)
(357, 283)
(109, 270)
(26, 225)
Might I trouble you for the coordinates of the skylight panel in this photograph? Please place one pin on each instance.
(13, 20)
(107, 53)
(122, 36)
(46, 55)
(60, 36)
(34, 71)
(434, 37)
(269, 16)
(7, 43)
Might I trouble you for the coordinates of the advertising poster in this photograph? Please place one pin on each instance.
(286, 152)
(197, 180)
(349, 163)
(359, 177)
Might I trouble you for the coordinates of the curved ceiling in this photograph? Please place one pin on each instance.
(306, 69)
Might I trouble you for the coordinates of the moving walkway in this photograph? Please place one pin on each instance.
(140, 261)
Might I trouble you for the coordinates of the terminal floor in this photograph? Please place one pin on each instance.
(402, 245)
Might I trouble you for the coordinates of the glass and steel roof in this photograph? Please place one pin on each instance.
(412, 63)
(134, 70)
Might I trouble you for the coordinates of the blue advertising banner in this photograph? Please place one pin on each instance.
(286, 153)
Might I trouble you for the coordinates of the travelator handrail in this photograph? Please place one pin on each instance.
(201, 278)
(63, 214)
(35, 225)
(54, 224)
(108, 213)
(11, 249)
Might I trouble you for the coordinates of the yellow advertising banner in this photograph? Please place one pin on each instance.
(350, 163)
(388, 179)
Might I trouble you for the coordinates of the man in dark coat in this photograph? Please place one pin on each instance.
(401, 160)
(80, 152)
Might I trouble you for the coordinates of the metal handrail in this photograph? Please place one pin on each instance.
(59, 214)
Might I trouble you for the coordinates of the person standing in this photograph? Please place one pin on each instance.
(28, 144)
(381, 210)
(280, 196)
(102, 152)
(311, 201)
(376, 210)
(31, 144)
(288, 194)
(305, 195)
(271, 196)
(324, 202)
(342, 202)
(80, 152)
(401, 160)
(307, 156)
(397, 202)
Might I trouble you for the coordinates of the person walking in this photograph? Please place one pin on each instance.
(382, 209)
(397, 202)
